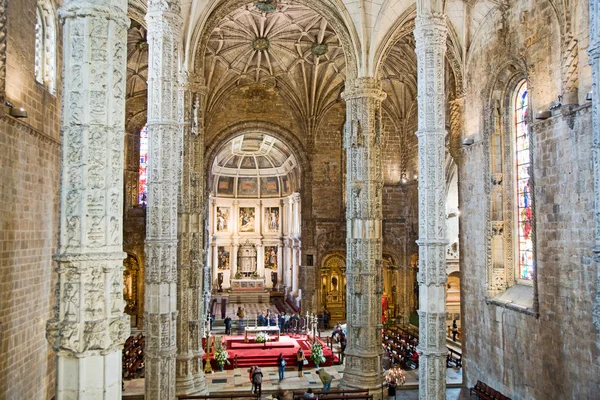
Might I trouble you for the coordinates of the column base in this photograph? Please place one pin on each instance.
(94, 377)
(362, 372)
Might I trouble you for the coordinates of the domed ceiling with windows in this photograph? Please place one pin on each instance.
(254, 165)
(282, 45)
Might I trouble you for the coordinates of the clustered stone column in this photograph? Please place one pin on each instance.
(594, 53)
(190, 373)
(164, 156)
(88, 328)
(364, 184)
(430, 35)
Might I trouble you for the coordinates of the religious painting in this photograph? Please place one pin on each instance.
(222, 219)
(248, 162)
(232, 162)
(271, 257)
(225, 186)
(223, 257)
(285, 183)
(269, 187)
(246, 220)
(247, 187)
(272, 219)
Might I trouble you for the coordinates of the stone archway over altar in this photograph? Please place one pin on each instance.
(255, 215)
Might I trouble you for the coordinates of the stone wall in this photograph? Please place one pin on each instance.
(553, 354)
(29, 172)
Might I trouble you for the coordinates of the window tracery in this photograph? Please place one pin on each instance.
(45, 45)
(143, 167)
(524, 198)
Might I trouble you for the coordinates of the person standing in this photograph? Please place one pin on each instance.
(250, 373)
(240, 313)
(227, 322)
(257, 376)
(454, 330)
(326, 317)
(281, 366)
(300, 361)
(325, 379)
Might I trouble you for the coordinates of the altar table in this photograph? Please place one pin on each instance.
(256, 329)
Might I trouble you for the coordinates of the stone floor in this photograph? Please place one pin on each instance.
(237, 380)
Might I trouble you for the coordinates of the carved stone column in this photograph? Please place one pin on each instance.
(88, 328)
(364, 184)
(164, 31)
(295, 266)
(594, 53)
(190, 374)
(430, 35)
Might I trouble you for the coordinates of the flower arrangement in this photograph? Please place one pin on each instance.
(261, 337)
(316, 353)
(221, 357)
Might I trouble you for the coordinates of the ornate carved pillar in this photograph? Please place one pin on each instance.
(295, 269)
(364, 184)
(280, 265)
(88, 328)
(164, 32)
(190, 373)
(233, 258)
(594, 53)
(287, 264)
(430, 35)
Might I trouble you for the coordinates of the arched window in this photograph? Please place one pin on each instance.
(143, 171)
(45, 45)
(524, 200)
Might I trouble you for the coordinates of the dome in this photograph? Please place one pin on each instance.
(254, 165)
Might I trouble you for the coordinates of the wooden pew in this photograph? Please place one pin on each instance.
(484, 392)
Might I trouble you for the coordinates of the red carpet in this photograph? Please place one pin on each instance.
(265, 355)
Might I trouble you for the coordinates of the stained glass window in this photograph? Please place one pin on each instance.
(143, 172)
(523, 186)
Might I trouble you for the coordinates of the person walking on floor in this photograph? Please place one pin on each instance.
(227, 322)
(281, 366)
(250, 373)
(454, 330)
(257, 376)
(300, 360)
(325, 378)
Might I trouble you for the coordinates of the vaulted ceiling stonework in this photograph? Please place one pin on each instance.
(292, 49)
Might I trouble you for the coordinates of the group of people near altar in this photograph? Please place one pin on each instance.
(284, 321)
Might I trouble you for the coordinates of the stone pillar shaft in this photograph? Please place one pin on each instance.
(295, 268)
(88, 328)
(594, 53)
(164, 158)
(190, 374)
(364, 184)
(430, 35)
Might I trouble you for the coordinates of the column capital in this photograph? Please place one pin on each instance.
(363, 87)
(164, 6)
(106, 9)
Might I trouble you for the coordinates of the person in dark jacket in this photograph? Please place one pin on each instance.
(227, 322)
(257, 376)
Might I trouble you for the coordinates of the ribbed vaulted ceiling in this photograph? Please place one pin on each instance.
(292, 48)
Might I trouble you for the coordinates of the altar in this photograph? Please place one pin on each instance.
(247, 284)
(256, 329)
